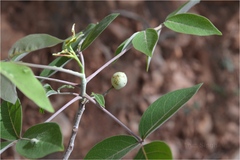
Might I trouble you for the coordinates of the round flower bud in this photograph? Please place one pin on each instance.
(119, 80)
(34, 140)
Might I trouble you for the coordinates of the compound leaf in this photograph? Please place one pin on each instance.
(40, 140)
(112, 148)
(154, 150)
(23, 77)
(10, 120)
(191, 24)
(163, 108)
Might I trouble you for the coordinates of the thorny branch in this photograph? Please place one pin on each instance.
(107, 64)
(63, 108)
(114, 118)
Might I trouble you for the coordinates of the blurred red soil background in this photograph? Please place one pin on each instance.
(206, 127)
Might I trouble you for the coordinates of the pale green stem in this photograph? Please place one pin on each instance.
(66, 93)
(56, 80)
(83, 62)
(52, 68)
(74, 56)
(84, 81)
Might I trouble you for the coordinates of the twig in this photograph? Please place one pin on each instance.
(65, 93)
(80, 110)
(75, 129)
(107, 64)
(57, 80)
(52, 68)
(105, 93)
(64, 107)
(113, 117)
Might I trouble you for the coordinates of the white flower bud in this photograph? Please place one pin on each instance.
(34, 140)
(119, 80)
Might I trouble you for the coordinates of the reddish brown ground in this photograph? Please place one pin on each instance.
(206, 127)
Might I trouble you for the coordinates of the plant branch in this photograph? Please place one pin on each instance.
(84, 81)
(75, 129)
(65, 93)
(82, 60)
(63, 108)
(107, 64)
(80, 111)
(114, 118)
(52, 68)
(56, 80)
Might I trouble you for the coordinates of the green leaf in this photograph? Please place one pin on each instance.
(145, 41)
(120, 47)
(40, 140)
(23, 77)
(191, 24)
(154, 150)
(184, 8)
(58, 62)
(97, 30)
(85, 33)
(18, 57)
(7, 90)
(125, 44)
(11, 120)
(150, 58)
(49, 90)
(31, 43)
(112, 148)
(163, 108)
(65, 86)
(99, 98)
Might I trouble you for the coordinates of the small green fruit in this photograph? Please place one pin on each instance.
(119, 80)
